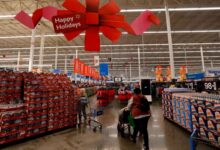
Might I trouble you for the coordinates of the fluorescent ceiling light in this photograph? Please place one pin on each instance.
(172, 9)
(148, 32)
(141, 10)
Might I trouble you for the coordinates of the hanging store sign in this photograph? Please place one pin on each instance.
(103, 69)
(213, 72)
(68, 23)
(195, 76)
(89, 18)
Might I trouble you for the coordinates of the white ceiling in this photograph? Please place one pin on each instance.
(201, 28)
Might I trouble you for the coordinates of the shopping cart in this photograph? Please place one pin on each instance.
(195, 139)
(92, 117)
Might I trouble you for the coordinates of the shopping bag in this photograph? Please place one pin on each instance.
(131, 121)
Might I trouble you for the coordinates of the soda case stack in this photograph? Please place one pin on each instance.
(13, 119)
(167, 103)
(62, 103)
(32, 104)
(36, 97)
(206, 116)
(12, 113)
(182, 111)
(10, 87)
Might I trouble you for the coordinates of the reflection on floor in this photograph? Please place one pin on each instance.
(163, 134)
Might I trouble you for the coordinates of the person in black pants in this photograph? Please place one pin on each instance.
(140, 116)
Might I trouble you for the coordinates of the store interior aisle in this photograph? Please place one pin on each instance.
(163, 134)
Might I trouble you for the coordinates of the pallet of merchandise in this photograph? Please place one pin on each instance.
(167, 102)
(13, 120)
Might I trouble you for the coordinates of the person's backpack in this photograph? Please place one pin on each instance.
(144, 105)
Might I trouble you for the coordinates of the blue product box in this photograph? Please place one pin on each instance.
(194, 109)
(201, 103)
(217, 106)
(211, 126)
(201, 111)
(188, 115)
(212, 137)
(202, 122)
(209, 105)
(217, 116)
(210, 114)
(203, 133)
(188, 124)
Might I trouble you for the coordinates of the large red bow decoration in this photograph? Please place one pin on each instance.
(106, 20)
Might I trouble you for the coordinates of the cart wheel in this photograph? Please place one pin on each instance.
(100, 127)
(94, 129)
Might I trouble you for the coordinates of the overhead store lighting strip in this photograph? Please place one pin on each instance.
(148, 32)
(142, 10)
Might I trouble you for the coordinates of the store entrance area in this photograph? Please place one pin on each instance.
(163, 134)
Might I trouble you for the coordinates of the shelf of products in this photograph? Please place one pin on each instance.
(104, 96)
(45, 102)
(198, 111)
(167, 102)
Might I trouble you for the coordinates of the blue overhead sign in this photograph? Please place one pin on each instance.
(103, 69)
(195, 76)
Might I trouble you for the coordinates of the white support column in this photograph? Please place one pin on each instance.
(18, 61)
(76, 73)
(31, 58)
(202, 59)
(130, 72)
(65, 69)
(41, 52)
(212, 65)
(56, 57)
(170, 41)
(139, 65)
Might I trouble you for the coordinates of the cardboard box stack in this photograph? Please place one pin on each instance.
(206, 116)
(182, 111)
(167, 103)
(35, 104)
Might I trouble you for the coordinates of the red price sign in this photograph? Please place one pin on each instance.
(68, 23)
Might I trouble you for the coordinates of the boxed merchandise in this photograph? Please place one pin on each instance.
(212, 138)
(203, 133)
(217, 116)
(210, 114)
(217, 106)
(211, 125)
(209, 105)
(202, 111)
(202, 122)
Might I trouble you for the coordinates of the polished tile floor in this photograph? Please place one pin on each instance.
(163, 134)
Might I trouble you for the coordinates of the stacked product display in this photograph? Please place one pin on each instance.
(198, 111)
(104, 96)
(206, 116)
(182, 111)
(124, 96)
(167, 102)
(50, 103)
